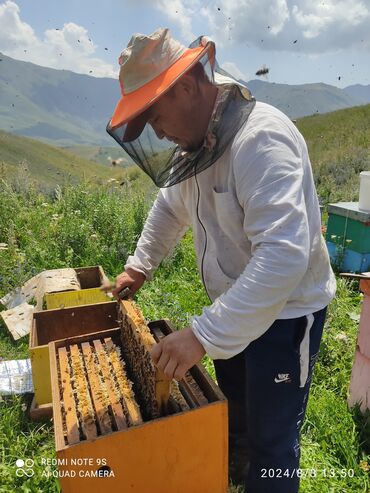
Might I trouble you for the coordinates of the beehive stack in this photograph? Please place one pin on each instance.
(153, 388)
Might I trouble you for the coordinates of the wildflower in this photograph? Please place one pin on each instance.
(93, 236)
(341, 337)
(365, 466)
(44, 204)
(55, 217)
(77, 212)
(24, 407)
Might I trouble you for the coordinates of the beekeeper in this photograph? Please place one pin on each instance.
(238, 172)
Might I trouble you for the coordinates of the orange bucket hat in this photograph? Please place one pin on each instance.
(149, 67)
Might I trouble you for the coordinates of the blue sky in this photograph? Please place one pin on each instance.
(300, 41)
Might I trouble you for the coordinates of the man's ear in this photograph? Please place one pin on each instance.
(186, 86)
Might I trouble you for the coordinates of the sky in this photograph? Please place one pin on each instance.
(299, 41)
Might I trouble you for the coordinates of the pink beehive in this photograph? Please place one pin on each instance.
(360, 379)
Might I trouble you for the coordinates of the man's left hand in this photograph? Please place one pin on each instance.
(177, 352)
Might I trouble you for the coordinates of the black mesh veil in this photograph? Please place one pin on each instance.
(164, 161)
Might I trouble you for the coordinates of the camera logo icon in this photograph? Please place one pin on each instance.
(24, 468)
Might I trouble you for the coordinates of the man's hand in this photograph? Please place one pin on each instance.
(131, 279)
(177, 352)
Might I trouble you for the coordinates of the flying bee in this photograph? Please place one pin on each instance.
(262, 71)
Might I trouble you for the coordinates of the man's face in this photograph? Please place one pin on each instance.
(174, 117)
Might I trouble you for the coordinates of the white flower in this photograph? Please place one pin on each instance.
(341, 337)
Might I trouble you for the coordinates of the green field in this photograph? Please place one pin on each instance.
(84, 224)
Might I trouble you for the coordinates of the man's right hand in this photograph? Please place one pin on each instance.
(131, 279)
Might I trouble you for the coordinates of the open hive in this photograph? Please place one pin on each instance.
(110, 402)
(108, 382)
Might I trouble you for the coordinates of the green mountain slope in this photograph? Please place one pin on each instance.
(339, 146)
(46, 164)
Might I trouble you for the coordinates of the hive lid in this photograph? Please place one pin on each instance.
(350, 210)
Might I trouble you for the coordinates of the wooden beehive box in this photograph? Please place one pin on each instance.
(109, 436)
(51, 325)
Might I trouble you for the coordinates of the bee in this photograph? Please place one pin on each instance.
(262, 71)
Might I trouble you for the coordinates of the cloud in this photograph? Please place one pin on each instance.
(309, 26)
(247, 20)
(331, 24)
(179, 12)
(67, 48)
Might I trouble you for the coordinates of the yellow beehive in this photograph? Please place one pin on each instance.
(106, 439)
(65, 299)
(51, 325)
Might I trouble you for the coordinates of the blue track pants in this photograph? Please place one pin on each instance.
(267, 388)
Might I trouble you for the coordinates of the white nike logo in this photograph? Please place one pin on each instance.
(282, 377)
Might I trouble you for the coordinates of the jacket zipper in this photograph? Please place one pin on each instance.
(205, 237)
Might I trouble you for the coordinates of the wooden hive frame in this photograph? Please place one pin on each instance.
(183, 451)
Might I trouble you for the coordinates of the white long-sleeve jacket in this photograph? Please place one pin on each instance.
(257, 234)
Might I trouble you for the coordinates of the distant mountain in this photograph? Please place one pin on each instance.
(68, 109)
(302, 100)
(57, 106)
(359, 91)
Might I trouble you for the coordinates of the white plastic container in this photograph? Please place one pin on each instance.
(364, 199)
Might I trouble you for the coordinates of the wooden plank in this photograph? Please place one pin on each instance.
(363, 339)
(359, 391)
(68, 341)
(365, 287)
(57, 406)
(124, 384)
(41, 411)
(98, 391)
(71, 420)
(52, 325)
(85, 408)
(188, 396)
(194, 389)
(117, 410)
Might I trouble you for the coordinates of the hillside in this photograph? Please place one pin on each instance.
(300, 100)
(103, 155)
(57, 106)
(47, 165)
(339, 146)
